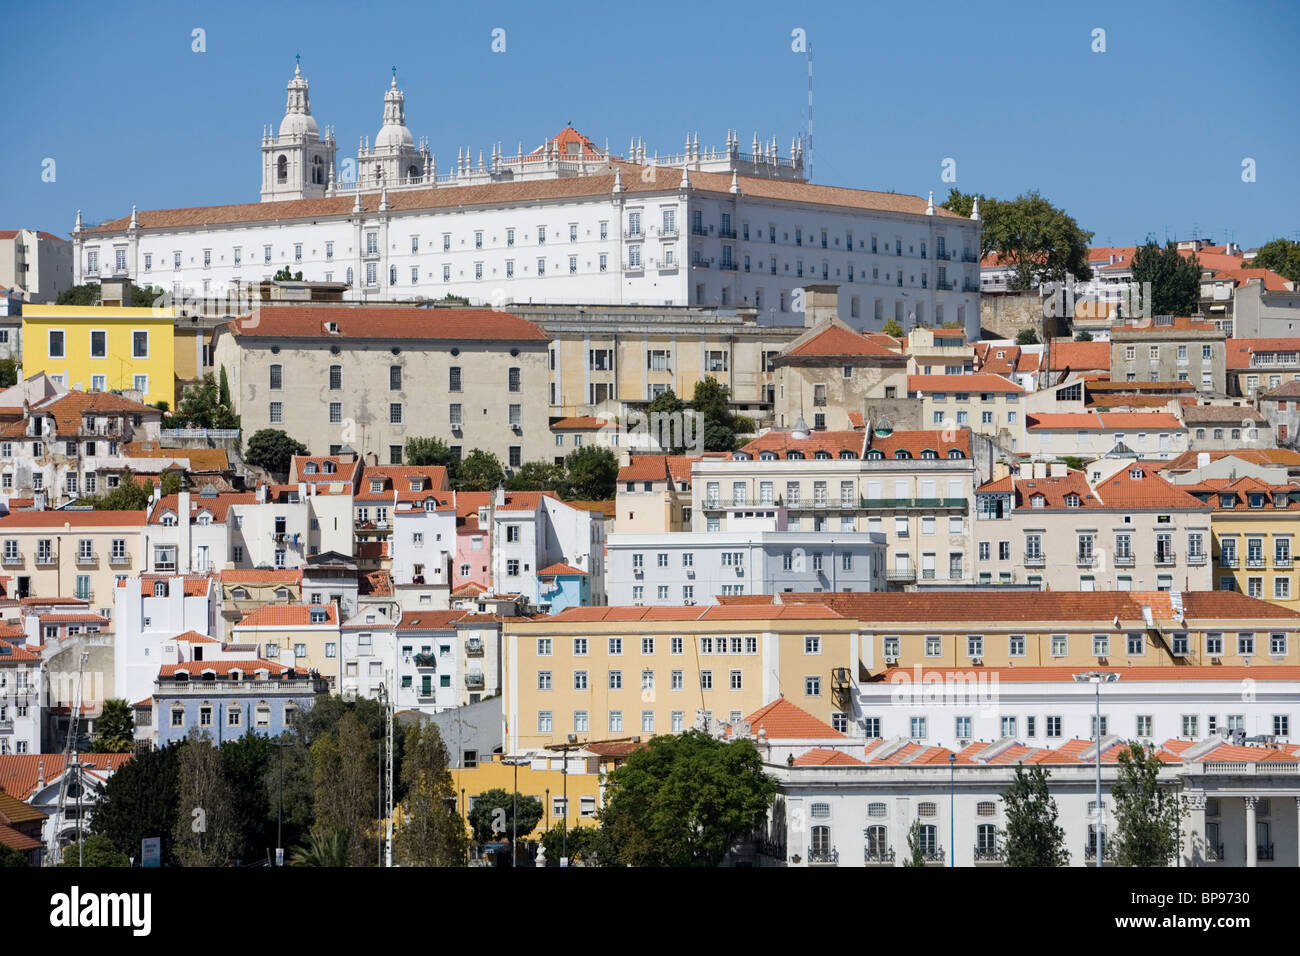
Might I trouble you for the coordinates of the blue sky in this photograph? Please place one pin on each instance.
(1147, 137)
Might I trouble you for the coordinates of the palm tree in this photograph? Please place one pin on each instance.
(324, 848)
(115, 728)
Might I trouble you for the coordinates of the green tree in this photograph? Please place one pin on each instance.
(1027, 337)
(710, 402)
(146, 297)
(11, 858)
(89, 294)
(141, 799)
(538, 476)
(272, 449)
(324, 847)
(592, 473)
(8, 372)
(1040, 240)
(1280, 255)
(1175, 280)
(581, 843)
(480, 471)
(684, 800)
(244, 763)
(893, 328)
(498, 806)
(284, 275)
(206, 832)
(96, 850)
(1033, 837)
(423, 452)
(115, 728)
(1147, 814)
(223, 389)
(346, 786)
(431, 833)
(129, 495)
(172, 482)
(915, 853)
(664, 417)
(204, 404)
(1083, 335)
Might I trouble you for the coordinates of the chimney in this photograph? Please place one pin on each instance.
(183, 533)
(1040, 469)
(262, 493)
(820, 302)
(1059, 469)
(1202, 459)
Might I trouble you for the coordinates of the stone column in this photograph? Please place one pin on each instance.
(1195, 851)
(1250, 830)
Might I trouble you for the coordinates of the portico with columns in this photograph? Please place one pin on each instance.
(1241, 813)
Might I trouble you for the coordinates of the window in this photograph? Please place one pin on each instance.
(56, 344)
(812, 686)
(544, 721)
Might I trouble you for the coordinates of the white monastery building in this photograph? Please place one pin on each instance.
(567, 222)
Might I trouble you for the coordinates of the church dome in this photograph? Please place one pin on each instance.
(394, 134)
(299, 124)
(298, 121)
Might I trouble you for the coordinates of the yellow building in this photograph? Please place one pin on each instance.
(102, 348)
(606, 672)
(542, 774)
(1253, 529)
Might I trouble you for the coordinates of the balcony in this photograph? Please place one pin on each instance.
(990, 855)
(669, 232)
(1085, 560)
(697, 229)
(428, 690)
(968, 257)
(85, 560)
(969, 286)
(119, 560)
(824, 857)
(1227, 560)
(1214, 853)
(425, 660)
(474, 647)
(728, 266)
(46, 560)
(473, 680)
(1280, 562)
(12, 561)
(900, 574)
(932, 856)
(1255, 561)
(878, 855)
(633, 234)
(1124, 560)
(1090, 852)
(1263, 851)
(1196, 558)
(927, 574)
(1035, 561)
(700, 262)
(726, 234)
(1165, 559)
(6, 726)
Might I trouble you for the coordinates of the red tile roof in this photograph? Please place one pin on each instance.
(1053, 491)
(1106, 421)
(1076, 356)
(18, 841)
(918, 442)
(658, 468)
(974, 382)
(70, 409)
(386, 322)
(77, 519)
(428, 620)
(583, 423)
(19, 773)
(289, 615)
(218, 507)
(834, 443)
(395, 484)
(222, 668)
(836, 340)
(261, 576)
(200, 459)
(560, 568)
(16, 654)
(1048, 674)
(1122, 490)
(782, 720)
(822, 757)
(196, 585)
(624, 614)
(1240, 351)
(1242, 416)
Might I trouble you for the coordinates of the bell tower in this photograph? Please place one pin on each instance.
(297, 162)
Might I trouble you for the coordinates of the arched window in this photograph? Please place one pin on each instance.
(927, 840)
(822, 454)
(160, 589)
(986, 841)
(430, 504)
(955, 453)
(413, 173)
(875, 455)
(902, 454)
(330, 468)
(311, 468)
(794, 456)
(239, 594)
(349, 275)
(929, 454)
(820, 851)
(282, 169)
(317, 171)
(846, 454)
(767, 456)
(235, 674)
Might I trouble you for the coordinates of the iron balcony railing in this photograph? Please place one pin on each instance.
(990, 854)
(878, 854)
(829, 857)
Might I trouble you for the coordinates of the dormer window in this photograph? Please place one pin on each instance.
(205, 518)
(929, 453)
(1281, 501)
(1256, 500)
(376, 485)
(1038, 501)
(239, 594)
(902, 455)
(875, 455)
(160, 589)
(767, 456)
(417, 484)
(318, 615)
(955, 453)
(330, 468)
(848, 455)
(794, 456)
(822, 454)
(282, 594)
(235, 674)
(1072, 500)
(431, 504)
(310, 469)
(1135, 473)
(1228, 501)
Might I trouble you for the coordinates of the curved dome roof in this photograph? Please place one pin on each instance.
(390, 134)
(299, 124)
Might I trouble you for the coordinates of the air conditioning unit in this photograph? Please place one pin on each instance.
(690, 574)
(516, 428)
(1216, 660)
(891, 661)
(977, 661)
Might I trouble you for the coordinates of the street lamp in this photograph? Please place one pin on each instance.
(1098, 678)
(514, 814)
(564, 776)
(952, 809)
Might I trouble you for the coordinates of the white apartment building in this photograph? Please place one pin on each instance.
(21, 696)
(149, 611)
(568, 222)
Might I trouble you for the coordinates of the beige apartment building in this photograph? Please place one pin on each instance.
(608, 672)
(987, 404)
(372, 377)
(1067, 629)
(914, 487)
(36, 265)
(608, 356)
(76, 554)
(1153, 435)
(653, 495)
(302, 636)
(1170, 349)
(938, 352)
(1132, 531)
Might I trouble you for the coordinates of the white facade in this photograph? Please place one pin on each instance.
(422, 546)
(21, 699)
(696, 567)
(148, 612)
(747, 231)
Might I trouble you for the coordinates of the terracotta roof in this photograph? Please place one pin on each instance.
(396, 480)
(16, 654)
(344, 471)
(1079, 355)
(1242, 415)
(1139, 387)
(1053, 491)
(1240, 351)
(822, 757)
(782, 720)
(218, 506)
(428, 620)
(261, 576)
(18, 841)
(658, 468)
(665, 179)
(194, 637)
(13, 810)
(222, 668)
(560, 568)
(1123, 490)
(974, 382)
(614, 748)
(834, 443)
(19, 773)
(77, 519)
(1286, 390)
(624, 614)
(200, 459)
(71, 619)
(1139, 327)
(386, 322)
(989, 608)
(1271, 280)
(1188, 460)
(1049, 674)
(1106, 421)
(578, 423)
(289, 615)
(70, 409)
(917, 442)
(51, 601)
(836, 340)
(196, 585)
(468, 589)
